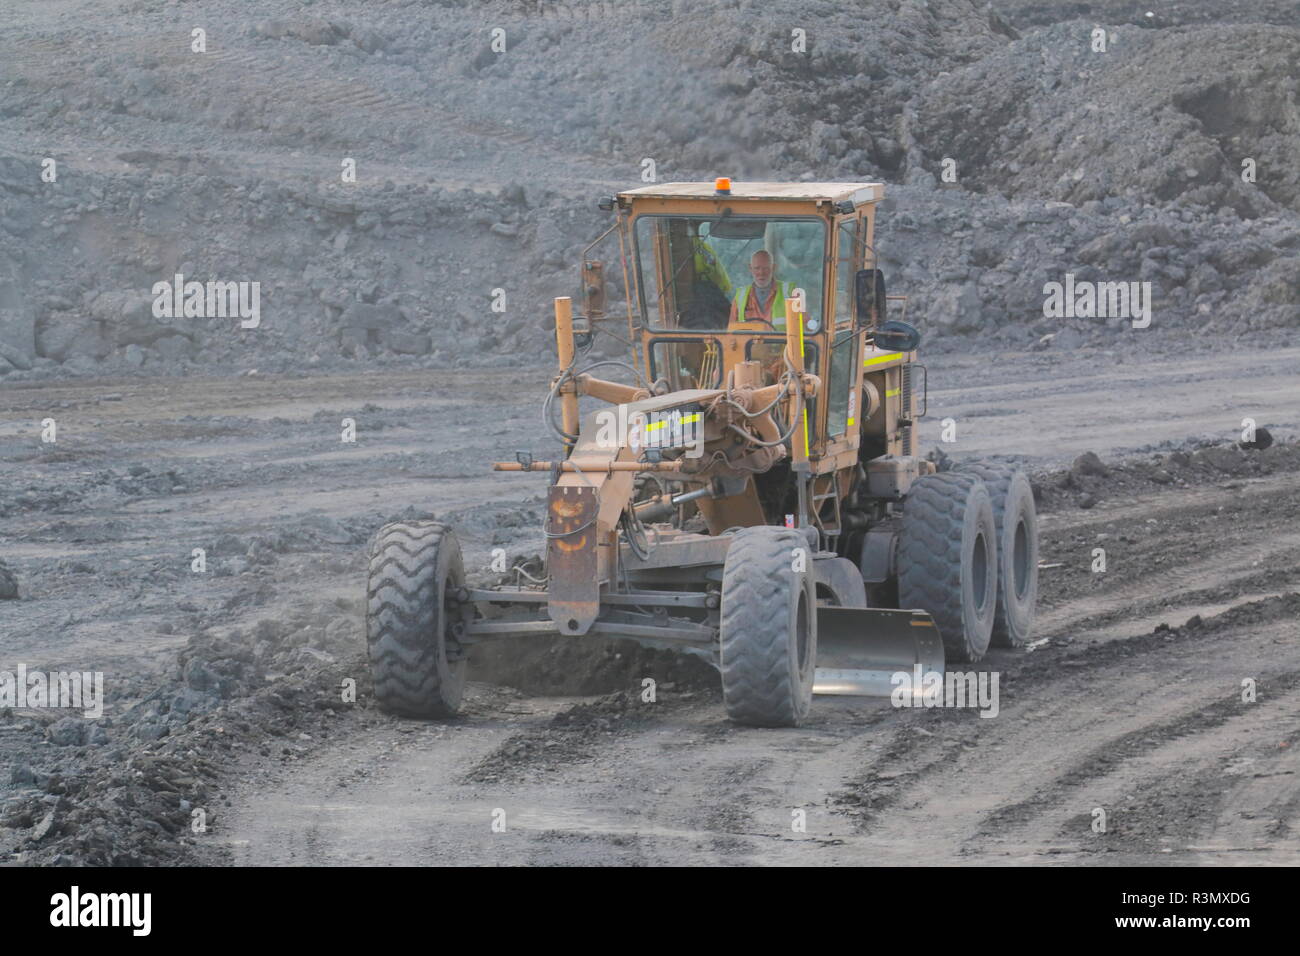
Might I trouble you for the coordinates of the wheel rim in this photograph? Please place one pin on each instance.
(448, 621)
(979, 567)
(801, 633)
(1020, 560)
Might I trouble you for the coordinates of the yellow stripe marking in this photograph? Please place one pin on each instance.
(891, 392)
(881, 359)
(803, 353)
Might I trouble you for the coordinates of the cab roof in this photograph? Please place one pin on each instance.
(859, 193)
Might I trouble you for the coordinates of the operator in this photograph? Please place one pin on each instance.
(761, 306)
(764, 300)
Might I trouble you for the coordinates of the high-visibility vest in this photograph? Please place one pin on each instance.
(783, 290)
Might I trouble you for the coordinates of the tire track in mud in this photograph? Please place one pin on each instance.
(710, 792)
(573, 735)
(1239, 794)
(1084, 718)
(385, 792)
(1187, 589)
(682, 784)
(1107, 757)
(1197, 555)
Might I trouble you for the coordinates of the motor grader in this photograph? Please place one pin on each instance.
(754, 494)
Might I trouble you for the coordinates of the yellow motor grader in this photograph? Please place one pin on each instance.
(754, 495)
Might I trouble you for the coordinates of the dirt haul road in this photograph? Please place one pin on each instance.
(233, 673)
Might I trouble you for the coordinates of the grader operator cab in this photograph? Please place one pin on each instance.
(755, 496)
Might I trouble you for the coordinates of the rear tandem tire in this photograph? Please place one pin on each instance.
(417, 668)
(1017, 524)
(948, 560)
(768, 639)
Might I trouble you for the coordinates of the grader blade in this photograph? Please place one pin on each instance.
(859, 650)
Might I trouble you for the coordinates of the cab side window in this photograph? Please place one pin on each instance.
(843, 366)
(846, 266)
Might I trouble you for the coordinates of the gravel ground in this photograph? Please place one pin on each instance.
(224, 687)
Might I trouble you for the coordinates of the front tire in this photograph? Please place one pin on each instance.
(417, 667)
(768, 639)
(948, 560)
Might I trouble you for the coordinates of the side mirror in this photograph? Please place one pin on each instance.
(593, 288)
(896, 336)
(869, 296)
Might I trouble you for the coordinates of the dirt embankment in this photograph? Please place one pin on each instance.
(477, 169)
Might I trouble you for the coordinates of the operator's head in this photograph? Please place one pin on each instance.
(760, 265)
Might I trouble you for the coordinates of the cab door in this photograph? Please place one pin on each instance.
(841, 403)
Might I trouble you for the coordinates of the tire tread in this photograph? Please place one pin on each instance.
(404, 626)
(753, 642)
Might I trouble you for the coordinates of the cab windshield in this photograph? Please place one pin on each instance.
(736, 273)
